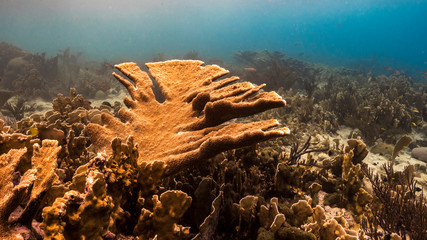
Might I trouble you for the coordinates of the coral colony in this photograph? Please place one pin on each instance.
(197, 164)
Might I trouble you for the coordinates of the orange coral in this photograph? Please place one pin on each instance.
(12, 196)
(186, 126)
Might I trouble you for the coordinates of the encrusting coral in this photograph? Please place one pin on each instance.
(185, 128)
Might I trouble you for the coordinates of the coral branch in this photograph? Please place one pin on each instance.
(186, 127)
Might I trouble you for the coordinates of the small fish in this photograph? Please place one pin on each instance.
(414, 124)
(97, 73)
(57, 80)
(86, 69)
(250, 69)
(53, 133)
(34, 131)
(382, 129)
(339, 25)
(109, 65)
(296, 44)
(415, 111)
(300, 54)
(424, 72)
(396, 72)
(367, 107)
(418, 146)
(387, 68)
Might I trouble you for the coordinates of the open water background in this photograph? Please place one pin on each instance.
(369, 35)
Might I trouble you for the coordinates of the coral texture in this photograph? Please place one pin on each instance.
(186, 126)
(33, 184)
(167, 211)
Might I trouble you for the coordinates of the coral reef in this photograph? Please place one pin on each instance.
(184, 129)
(381, 109)
(27, 73)
(396, 207)
(9, 52)
(80, 171)
(277, 70)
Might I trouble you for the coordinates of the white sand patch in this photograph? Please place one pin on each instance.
(111, 98)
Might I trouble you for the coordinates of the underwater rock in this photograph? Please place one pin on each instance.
(383, 149)
(100, 95)
(8, 52)
(420, 153)
(15, 69)
(186, 127)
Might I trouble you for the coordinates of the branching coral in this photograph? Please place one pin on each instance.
(185, 128)
(19, 108)
(17, 141)
(162, 222)
(44, 160)
(34, 184)
(396, 207)
(329, 229)
(66, 123)
(80, 215)
(12, 195)
(347, 188)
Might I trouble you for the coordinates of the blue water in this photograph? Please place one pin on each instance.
(364, 34)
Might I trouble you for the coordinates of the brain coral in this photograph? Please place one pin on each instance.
(188, 125)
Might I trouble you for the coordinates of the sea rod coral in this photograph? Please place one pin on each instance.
(188, 125)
